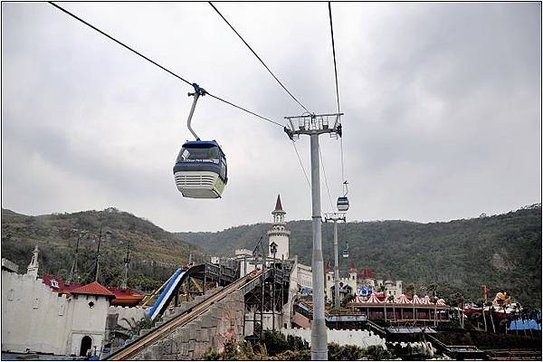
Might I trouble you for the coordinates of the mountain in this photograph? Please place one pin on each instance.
(454, 258)
(155, 253)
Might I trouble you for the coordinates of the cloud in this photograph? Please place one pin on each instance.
(442, 108)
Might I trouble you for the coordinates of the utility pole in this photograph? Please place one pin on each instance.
(97, 268)
(73, 270)
(314, 125)
(335, 217)
(124, 284)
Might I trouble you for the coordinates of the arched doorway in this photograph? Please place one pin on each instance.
(86, 344)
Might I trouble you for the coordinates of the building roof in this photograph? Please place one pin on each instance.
(58, 285)
(93, 288)
(278, 206)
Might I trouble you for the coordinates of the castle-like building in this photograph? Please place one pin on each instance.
(40, 317)
(279, 241)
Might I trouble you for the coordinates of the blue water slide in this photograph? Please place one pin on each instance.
(167, 294)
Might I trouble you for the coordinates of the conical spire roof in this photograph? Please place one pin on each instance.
(278, 205)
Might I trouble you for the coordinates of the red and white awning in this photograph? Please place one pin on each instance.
(402, 299)
(440, 302)
(373, 299)
(416, 300)
(425, 300)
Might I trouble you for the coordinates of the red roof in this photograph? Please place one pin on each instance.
(58, 285)
(93, 288)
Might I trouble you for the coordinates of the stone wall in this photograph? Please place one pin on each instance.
(222, 321)
(360, 338)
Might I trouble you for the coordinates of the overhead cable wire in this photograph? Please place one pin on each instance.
(256, 55)
(334, 53)
(157, 64)
(337, 92)
(301, 164)
(342, 167)
(326, 182)
(244, 109)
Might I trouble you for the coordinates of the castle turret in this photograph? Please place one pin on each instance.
(279, 233)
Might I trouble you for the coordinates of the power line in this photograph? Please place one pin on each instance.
(256, 55)
(158, 65)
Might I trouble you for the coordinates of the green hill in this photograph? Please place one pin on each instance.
(455, 258)
(155, 253)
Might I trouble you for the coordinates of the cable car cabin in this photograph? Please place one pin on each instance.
(345, 253)
(342, 203)
(200, 170)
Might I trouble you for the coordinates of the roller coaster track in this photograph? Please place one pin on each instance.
(243, 284)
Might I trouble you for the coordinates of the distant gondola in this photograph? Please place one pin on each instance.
(200, 170)
(342, 203)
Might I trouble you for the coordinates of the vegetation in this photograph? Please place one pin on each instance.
(451, 259)
(155, 253)
(276, 347)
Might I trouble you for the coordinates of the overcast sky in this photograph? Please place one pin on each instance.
(441, 101)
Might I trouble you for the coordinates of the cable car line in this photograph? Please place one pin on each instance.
(326, 181)
(334, 53)
(119, 42)
(256, 55)
(157, 64)
(301, 164)
(342, 201)
(245, 110)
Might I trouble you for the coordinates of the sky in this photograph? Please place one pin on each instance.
(441, 103)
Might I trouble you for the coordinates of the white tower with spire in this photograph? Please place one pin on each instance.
(32, 269)
(279, 235)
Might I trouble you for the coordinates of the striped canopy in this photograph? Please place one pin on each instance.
(441, 302)
(402, 299)
(425, 300)
(373, 299)
(416, 300)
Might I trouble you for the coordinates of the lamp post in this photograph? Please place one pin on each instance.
(273, 249)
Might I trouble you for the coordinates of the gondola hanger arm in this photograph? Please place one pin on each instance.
(197, 93)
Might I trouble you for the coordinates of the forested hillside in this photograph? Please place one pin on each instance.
(455, 258)
(155, 253)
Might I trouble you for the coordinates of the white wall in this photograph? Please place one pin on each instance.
(360, 338)
(88, 321)
(33, 318)
(37, 319)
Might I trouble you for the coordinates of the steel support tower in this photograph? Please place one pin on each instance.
(315, 125)
(335, 217)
